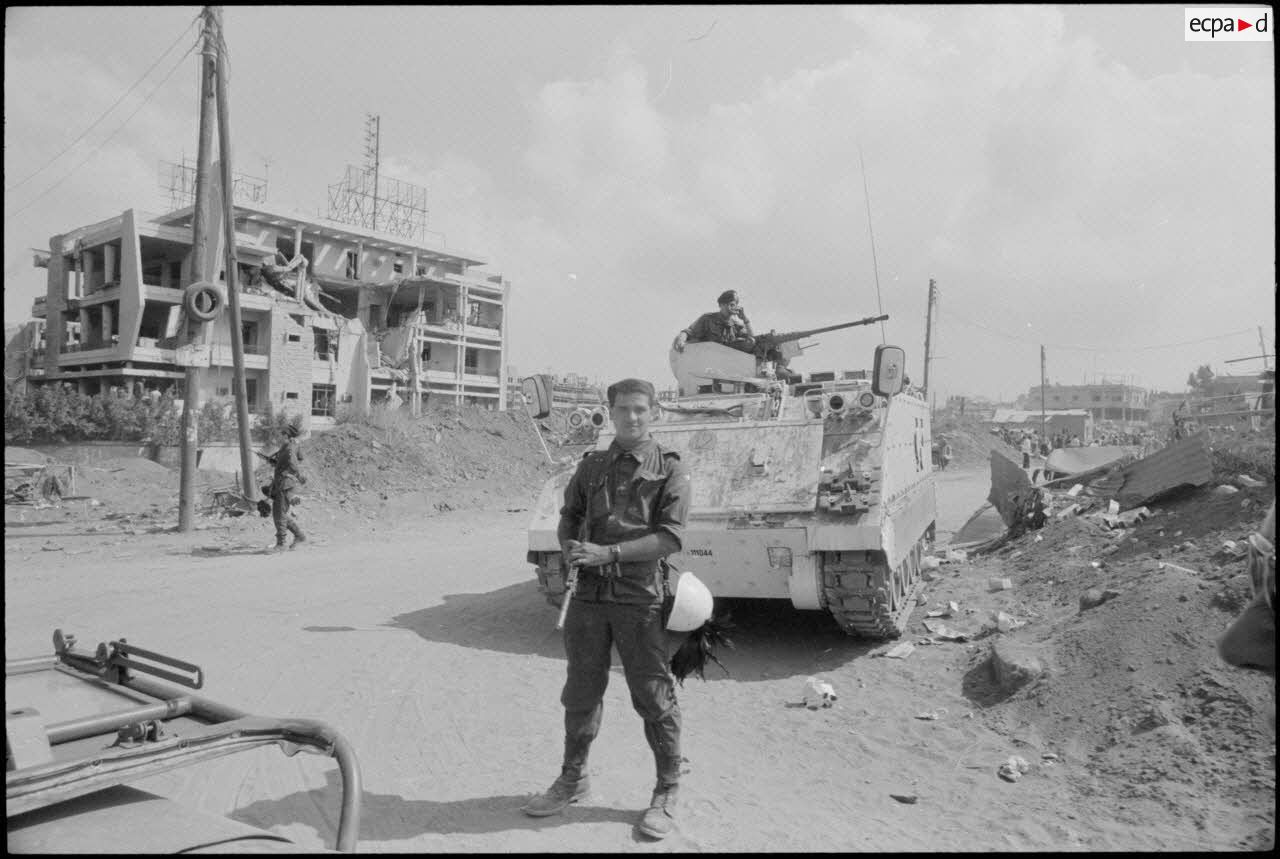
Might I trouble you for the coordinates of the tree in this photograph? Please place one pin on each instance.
(1201, 378)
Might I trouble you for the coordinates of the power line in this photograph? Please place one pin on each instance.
(108, 138)
(94, 124)
(1077, 348)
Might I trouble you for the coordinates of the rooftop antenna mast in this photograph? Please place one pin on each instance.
(372, 153)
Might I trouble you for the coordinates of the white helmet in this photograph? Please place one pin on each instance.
(692, 606)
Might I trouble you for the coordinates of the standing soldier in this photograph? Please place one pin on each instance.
(284, 482)
(624, 513)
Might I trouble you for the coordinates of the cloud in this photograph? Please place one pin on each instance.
(1006, 155)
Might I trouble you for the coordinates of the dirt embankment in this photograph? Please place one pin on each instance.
(450, 458)
(1134, 686)
(971, 444)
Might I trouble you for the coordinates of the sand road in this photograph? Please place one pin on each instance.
(430, 649)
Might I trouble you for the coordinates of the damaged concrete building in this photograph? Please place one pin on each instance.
(331, 314)
(1120, 403)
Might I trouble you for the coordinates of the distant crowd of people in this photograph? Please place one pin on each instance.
(1061, 439)
(1035, 450)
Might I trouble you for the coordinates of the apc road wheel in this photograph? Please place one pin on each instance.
(866, 597)
(202, 301)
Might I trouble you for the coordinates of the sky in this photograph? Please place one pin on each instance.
(1074, 177)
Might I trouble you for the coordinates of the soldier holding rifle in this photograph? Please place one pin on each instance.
(624, 512)
(285, 480)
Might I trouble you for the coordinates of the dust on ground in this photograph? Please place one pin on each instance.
(1137, 736)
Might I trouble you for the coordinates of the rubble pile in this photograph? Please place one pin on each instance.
(451, 457)
(971, 444)
(1102, 649)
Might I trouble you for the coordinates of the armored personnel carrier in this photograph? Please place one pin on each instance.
(817, 489)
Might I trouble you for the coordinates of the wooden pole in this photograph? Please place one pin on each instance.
(928, 331)
(199, 247)
(233, 279)
(1042, 383)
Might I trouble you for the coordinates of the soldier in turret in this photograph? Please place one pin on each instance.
(728, 326)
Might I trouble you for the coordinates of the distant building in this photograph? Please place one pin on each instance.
(374, 315)
(978, 408)
(1115, 402)
(1074, 422)
(569, 390)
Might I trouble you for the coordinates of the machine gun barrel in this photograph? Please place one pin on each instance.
(772, 339)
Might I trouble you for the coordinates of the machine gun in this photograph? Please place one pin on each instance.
(770, 346)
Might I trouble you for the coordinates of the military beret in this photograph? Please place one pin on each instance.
(727, 297)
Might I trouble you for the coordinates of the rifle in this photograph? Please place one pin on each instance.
(570, 585)
(271, 458)
(766, 343)
(571, 580)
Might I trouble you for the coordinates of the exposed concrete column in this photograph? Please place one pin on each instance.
(108, 322)
(89, 261)
(84, 328)
(108, 263)
(55, 296)
(504, 331)
(413, 264)
(297, 240)
(360, 266)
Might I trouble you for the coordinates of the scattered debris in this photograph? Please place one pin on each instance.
(1014, 664)
(1000, 584)
(1013, 769)
(905, 798)
(900, 651)
(932, 715)
(1005, 622)
(818, 693)
(946, 633)
(1095, 597)
(1234, 549)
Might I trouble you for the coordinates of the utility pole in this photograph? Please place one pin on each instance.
(1266, 363)
(238, 387)
(928, 331)
(1042, 384)
(199, 244)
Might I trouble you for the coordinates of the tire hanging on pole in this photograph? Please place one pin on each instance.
(202, 301)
